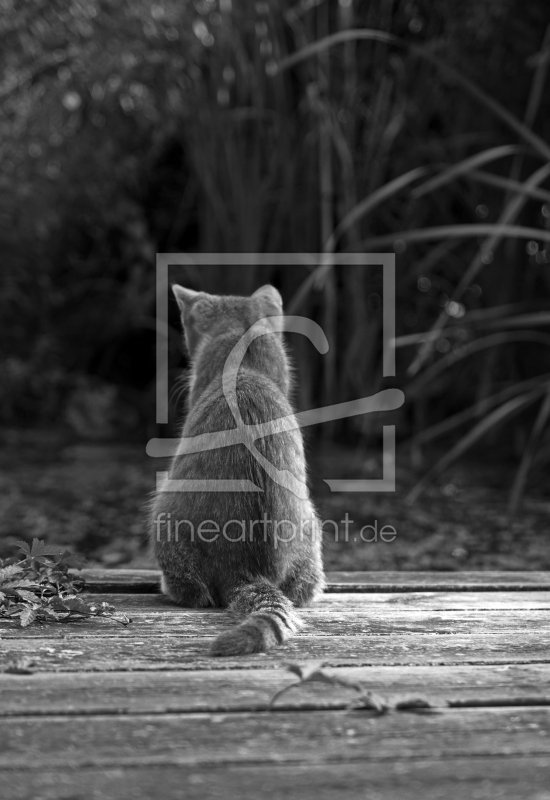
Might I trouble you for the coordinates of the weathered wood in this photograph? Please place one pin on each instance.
(371, 620)
(359, 601)
(156, 716)
(250, 690)
(441, 581)
(291, 736)
(147, 581)
(94, 653)
(437, 601)
(487, 778)
(120, 580)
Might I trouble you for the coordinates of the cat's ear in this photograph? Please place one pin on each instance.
(184, 298)
(193, 321)
(270, 298)
(199, 312)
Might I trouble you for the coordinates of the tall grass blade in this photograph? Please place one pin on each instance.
(497, 416)
(477, 409)
(434, 256)
(503, 316)
(509, 184)
(521, 320)
(370, 202)
(464, 167)
(463, 231)
(533, 103)
(486, 101)
(482, 97)
(529, 454)
(315, 280)
(493, 340)
(509, 213)
(329, 41)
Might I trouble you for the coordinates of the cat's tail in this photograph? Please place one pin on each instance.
(271, 620)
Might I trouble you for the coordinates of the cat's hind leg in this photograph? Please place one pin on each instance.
(186, 591)
(184, 574)
(305, 582)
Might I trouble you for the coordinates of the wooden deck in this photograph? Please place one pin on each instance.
(143, 712)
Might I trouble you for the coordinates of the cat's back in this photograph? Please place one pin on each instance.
(236, 399)
(259, 401)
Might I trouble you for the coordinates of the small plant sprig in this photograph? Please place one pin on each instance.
(40, 588)
(365, 700)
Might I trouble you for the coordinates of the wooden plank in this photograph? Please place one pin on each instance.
(486, 581)
(487, 778)
(147, 581)
(91, 653)
(252, 690)
(359, 601)
(369, 620)
(121, 580)
(295, 737)
(440, 601)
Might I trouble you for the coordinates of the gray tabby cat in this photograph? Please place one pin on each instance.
(244, 555)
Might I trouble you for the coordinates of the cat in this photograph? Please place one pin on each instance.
(254, 566)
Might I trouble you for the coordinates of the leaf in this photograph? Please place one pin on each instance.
(107, 608)
(57, 603)
(22, 583)
(11, 609)
(39, 548)
(28, 615)
(312, 673)
(75, 603)
(411, 703)
(20, 666)
(51, 614)
(124, 619)
(46, 571)
(8, 573)
(371, 702)
(28, 597)
(10, 588)
(73, 560)
(303, 671)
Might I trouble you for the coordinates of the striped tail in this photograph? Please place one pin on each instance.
(271, 620)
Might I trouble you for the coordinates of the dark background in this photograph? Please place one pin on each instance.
(131, 128)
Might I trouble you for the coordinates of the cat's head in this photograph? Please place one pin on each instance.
(206, 316)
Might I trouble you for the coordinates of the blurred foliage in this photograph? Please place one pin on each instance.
(130, 128)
